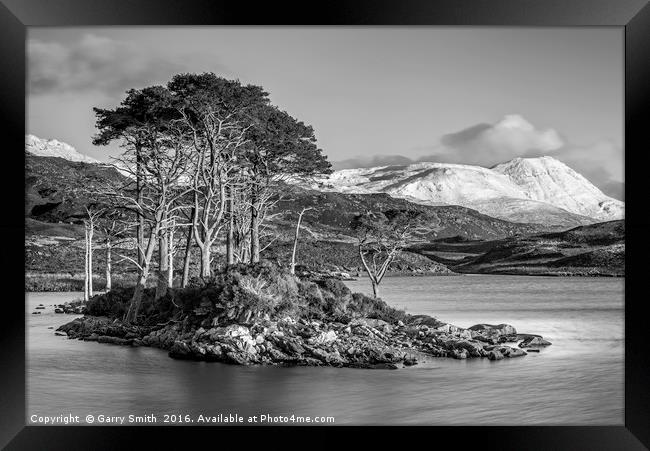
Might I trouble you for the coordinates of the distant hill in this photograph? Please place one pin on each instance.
(597, 249)
(52, 187)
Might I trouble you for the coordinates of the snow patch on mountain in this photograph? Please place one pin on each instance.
(54, 148)
(548, 180)
(534, 190)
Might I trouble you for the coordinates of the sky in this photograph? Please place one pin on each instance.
(374, 95)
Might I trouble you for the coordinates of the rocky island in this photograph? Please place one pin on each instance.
(261, 314)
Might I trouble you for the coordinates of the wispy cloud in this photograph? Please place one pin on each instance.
(486, 144)
(95, 63)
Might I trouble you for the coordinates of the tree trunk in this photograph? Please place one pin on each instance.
(86, 286)
(170, 256)
(292, 267)
(205, 261)
(136, 300)
(163, 264)
(91, 232)
(255, 232)
(188, 257)
(140, 223)
(109, 249)
(371, 275)
(230, 251)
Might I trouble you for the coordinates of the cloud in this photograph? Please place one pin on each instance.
(486, 144)
(602, 163)
(94, 63)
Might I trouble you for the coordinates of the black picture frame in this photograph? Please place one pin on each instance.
(633, 15)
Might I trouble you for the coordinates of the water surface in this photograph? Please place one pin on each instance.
(576, 381)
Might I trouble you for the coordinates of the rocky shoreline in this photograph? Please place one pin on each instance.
(361, 343)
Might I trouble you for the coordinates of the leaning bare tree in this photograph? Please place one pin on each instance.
(380, 238)
(292, 266)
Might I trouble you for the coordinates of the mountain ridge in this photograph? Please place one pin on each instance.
(55, 148)
(532, 190)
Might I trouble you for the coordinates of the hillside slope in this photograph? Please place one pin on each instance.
(593, 250)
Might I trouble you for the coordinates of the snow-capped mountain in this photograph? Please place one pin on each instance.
(534, 190)
(54, 148)
(548, 180)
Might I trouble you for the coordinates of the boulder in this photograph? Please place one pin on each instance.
(458, 353)
(512, 352)
(490, 330)
(235, 330)
(495, 355)
(324, 337)
(534, 342)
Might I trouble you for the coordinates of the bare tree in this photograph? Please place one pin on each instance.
(92, 213)
(292, 267)
(114, 229)
(380, 238)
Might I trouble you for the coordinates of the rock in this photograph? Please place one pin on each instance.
(426, 320)
(113, 340)
(369, 322)
(324, 337)
(458, 353)
(237, 358)
(179, 350)
(410, 361)
(492, 331)
(495, 355)
(289, 346)
(235, 330)
(287, 320)
(91, 337)
(534, 342)
(513, 352)
(61, 334)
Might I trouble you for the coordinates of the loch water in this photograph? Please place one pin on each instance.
(579, 380)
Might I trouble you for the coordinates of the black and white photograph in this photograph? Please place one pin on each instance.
(325, 225)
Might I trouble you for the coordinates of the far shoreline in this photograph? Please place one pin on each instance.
(62, 283)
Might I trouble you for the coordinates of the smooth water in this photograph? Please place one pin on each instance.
(576, 381)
